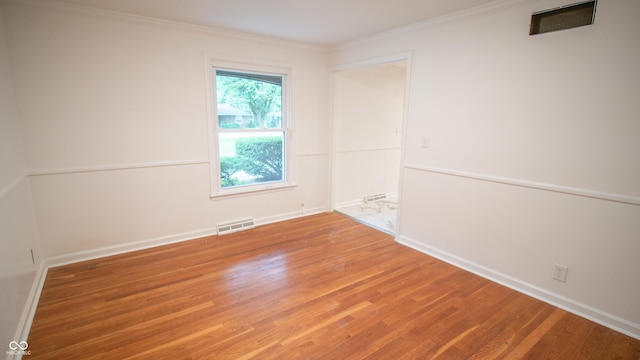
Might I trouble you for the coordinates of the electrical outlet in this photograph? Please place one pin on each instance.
(425, 142)
(559, 272)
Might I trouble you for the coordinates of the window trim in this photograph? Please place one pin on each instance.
(216, 190)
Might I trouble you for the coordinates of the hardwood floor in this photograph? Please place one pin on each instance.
(320, 287)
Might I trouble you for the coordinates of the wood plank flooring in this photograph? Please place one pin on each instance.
(319, 287)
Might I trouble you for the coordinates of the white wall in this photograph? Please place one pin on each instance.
(18, 230)
(368, 105)
(522, 128)
(113, 116)
(115, 127)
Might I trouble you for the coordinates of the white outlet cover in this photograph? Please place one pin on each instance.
(425, 142)
(560, 272)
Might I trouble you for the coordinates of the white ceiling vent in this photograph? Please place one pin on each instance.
(234, 226)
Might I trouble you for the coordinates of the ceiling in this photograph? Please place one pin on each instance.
(323, 22)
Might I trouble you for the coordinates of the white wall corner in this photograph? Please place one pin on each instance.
(29, 311)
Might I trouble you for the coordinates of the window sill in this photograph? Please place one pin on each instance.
(226, 194)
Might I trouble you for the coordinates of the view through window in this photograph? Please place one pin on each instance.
(251, 130)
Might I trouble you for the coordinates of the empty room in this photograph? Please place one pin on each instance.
(172, 174)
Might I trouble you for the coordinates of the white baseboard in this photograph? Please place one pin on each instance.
(348, 203)
(79, 256)
(360, 200)
(66, 259)
(29, 311)
(289, 216)
(601, 317)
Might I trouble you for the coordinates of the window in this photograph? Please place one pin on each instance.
(250, 130)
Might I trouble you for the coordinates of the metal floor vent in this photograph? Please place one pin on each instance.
(234, 226)
(374, 197)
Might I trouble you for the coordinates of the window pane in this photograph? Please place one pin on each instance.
(251, 158)
(248, 101)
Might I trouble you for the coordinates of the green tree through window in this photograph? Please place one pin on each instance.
(259, 97)
(251, 135)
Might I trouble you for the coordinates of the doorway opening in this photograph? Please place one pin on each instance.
(368, 116)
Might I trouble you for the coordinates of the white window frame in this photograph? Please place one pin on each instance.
(213, 132)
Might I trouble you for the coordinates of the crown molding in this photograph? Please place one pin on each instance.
(492, 6)
(171, 24)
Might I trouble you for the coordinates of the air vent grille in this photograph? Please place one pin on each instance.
(234, 226)
(562, 18)
(374, 197)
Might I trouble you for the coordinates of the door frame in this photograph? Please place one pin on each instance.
(361, 64)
